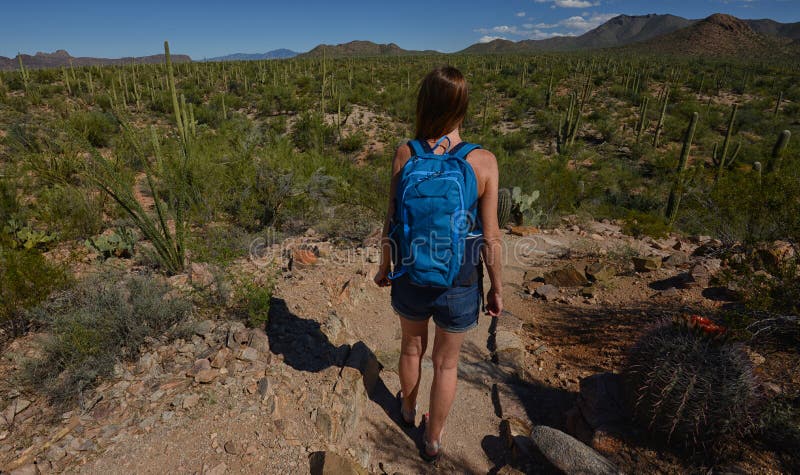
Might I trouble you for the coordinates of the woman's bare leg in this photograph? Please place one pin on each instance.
(412, 349)
(446, 347)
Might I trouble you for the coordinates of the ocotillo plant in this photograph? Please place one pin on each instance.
(724, 160)
(676, 192)
(777, 151)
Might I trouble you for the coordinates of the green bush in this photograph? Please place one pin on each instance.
(258, 299)
(102, 320)
(26, 279)
(95, 127)
(353, 142)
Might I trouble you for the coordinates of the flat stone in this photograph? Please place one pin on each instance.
(569, 454)
(524, 231)
(234, 447)
(547, 292)
(204, 328)
(676, 259)
(330, 463)
(199, 365)
(55, 453)
(206, 376)
(190, 401)
(646, 264)
(567, 276)
(259, 340)
(248, 354)
(220, 357)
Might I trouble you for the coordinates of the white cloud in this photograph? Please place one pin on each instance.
(490, 38)
(571, 26)
(570, 3)
(520, 14)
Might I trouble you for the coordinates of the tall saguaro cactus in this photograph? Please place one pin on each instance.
(777, 151)
(723, 160)
(660, 124)
(681, 180)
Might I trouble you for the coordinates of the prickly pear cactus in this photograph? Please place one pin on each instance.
(522, 210)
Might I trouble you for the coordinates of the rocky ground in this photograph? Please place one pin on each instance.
(315, 391)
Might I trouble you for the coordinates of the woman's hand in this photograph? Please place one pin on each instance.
(382, 277)
(494, 302)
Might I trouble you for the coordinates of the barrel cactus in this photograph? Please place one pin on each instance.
(688, 385)
(503, 206)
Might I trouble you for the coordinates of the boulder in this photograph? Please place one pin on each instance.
(600, 272)
(567, 276)
(676, 259)
(646, 264)
(569, 454)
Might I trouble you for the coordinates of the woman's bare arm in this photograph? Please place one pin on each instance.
(493, 250)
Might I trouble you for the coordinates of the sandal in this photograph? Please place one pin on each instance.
(428, 447)
(407, 418)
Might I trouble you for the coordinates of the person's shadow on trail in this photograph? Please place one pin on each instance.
(306, 348)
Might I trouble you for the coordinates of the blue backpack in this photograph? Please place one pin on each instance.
(436, 233)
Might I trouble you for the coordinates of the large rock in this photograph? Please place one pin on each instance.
(567, 276)
(600, 272)
(330, 463)
(510, 350)
(547, 292)
(646, 264)
(569, 454)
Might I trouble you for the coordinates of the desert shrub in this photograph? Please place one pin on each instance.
(96, 127)
(514, 141)
(257, 300)
(353, 142)
(692, 388)
(26, 279)
(638, 224)
(74, 212)
(780, 430)
(220, 244)
(310, 132)
(102, 320)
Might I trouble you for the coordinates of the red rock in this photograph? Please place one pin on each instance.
(524, 231)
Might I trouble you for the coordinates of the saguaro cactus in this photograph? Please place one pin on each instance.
(676, 192)
(724, 160)
(642, 119)
(660, 125)
(777, 151)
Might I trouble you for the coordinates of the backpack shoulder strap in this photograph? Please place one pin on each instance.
(463, 149)
(416, 148)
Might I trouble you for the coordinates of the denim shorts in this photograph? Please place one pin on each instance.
(454, 310)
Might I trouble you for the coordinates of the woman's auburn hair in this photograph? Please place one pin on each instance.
(442, 102)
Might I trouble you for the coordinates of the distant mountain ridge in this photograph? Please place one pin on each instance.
(362, 48)
(720, 35)
(624, 30)
(281, 53)
(61, 58)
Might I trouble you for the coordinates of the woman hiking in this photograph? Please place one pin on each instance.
(440, 226)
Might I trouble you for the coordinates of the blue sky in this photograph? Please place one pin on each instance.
(201, 28)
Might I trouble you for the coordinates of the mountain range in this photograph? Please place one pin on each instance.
(274, 54)
(62, 59)
(668, 34)
(719, 35)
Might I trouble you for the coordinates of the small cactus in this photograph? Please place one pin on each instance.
(503, 207)
(522, 206)
(691, 387)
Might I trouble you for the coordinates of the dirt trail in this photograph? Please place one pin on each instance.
(324, 376)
